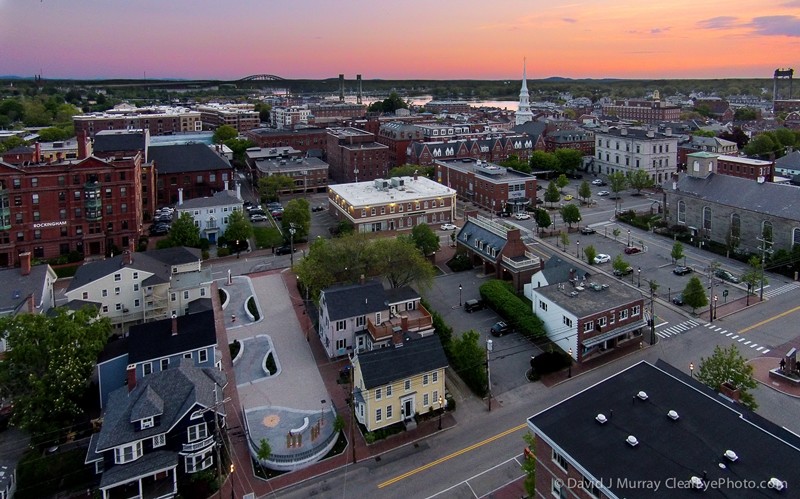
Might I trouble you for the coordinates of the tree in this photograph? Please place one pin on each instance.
(590, 252)
(409, 171)
(239, 227)
(543, 161)
(618, 182)
(694, 294)
(542, 219)
(515, 163)
(184, 232)
(223, 133)
(620, 264)
(571, 214)
(677, 252)
(564, 240)
(388, 105)
(584, 191)
(238, 147)
(744, 114)
(469, 360)
(400, 262)
(727, 365)
(752, 277)
(425, 239)
(297, 215)
(529, 464)
(11, 143)
(53, 134)
(48, 364)
(640, 179)
(562, 181)
(551, 195)
(269, 188)
(736, 135)
(569, 160)
(762, 145)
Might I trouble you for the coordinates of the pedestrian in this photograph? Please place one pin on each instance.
(783, 364)
(233, 317)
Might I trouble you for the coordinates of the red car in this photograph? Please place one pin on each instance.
(631, 250)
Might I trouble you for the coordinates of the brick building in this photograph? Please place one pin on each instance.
(488, 185)
(697, 143)
(242, 117)
(448, 106)
(353, 155)
(397, 135)
(158, 120)
(302, 139)
(339, 110)
(645, 111)
(492, 149)
(287, 118)
(580, 140)
(308, 174)
(91, 206)
(754, 169)
(110, 144)
(196, 168)
(398, 203)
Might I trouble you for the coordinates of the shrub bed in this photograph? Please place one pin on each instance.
(252, 308)
(271, 366)
(460, 263)
(502, 299)
(548, 362)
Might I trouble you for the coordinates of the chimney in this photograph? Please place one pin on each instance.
(404, 322)
(32, 303)
(83, 141)
(131, 377)
(668, 132)
(127, 257)
(397, 337)
(341, 88)
(174, 324)
(651, 134)
(25, 262)
(623, 131)
(226, 185)
(37, 152)
(180, 196)
(239, 191)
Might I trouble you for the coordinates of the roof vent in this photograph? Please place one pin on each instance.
(642, 395)
(731, 456)
(697, 482)
(632, 441)
(673, 416)
(776, 484)
(601, 418)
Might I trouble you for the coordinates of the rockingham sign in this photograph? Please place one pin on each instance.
(42, 225)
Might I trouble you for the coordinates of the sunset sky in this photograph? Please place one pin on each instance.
(444, 39)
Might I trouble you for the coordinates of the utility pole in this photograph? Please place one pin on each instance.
(352, 411)
(488, 373)
(764, 241)
(653, 288)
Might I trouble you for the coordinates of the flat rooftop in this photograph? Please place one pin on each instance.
(487, 170)
(612, 294)
(669, 451)
(744, 161)
(366, 193)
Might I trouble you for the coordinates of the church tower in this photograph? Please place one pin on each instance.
(524, 113)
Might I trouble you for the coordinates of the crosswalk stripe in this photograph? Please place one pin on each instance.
(754, 345)
(747, 342)
(740, 340)
(734, 336)
(723, 331)
(765, 351)
(729, 334)
(760, 348)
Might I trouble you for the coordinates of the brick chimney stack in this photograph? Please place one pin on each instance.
(25, 262)
(397, 337)
(131, 377)
(174, 325)
(127, 257)
(32, 303)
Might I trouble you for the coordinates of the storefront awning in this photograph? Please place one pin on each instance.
(600, 338)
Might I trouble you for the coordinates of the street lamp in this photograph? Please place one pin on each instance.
(237, 249)
(441, 411)
(292, 230)
(640, 277)
(322, 413)
(715, 305)
(578, 248)
(691, 369)
(629, 237)
(569, 369)
(459, 295)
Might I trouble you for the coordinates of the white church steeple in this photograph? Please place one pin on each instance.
(524, 113)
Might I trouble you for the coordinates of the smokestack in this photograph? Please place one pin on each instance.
(341, 88)
(180, 196)
(174, 324)
(25, 262)
(404, 322)
(131, 377)
(358, 97)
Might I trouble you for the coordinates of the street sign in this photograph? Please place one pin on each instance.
(725, 293)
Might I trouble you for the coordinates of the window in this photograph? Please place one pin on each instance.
(636, 310)
(85, 295)
(173, 296)
(136, 303)
(623, 314)
(199, 462)
(197, 432)
(118, 307)
(707, 221)
(424, 379)
(117, 277)
(590, 487)
(588, 326)
(147, 423)
(388, 412)
(611, 318)
(34, 182)
(766, 231)
(186, 295)
(435, 376)
(164, 364)
(36, 216)
(202, 291)
(35, 198)
(105, 309)
(567, 321)
(560, 461)
(378, 415)
(736, 227)
(543, 305)
(341, 325)
(361, 321)
(128, 453)
(147, 368)
(116, 291)
(388, 391)
(136, 286)
(378, 393)
(425, 400)
(558, 489)
(159, 440)
(202, 356)
(407, 385)
(681, 212)
(341, 344)
(378, 320)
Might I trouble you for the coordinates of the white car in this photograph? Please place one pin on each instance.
(603, 193)
(521, 216)
(602, 258)
(448, 227)
(257, 218)
(597, 181)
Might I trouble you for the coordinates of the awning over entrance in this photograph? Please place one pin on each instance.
(519, 201)
(600, 338)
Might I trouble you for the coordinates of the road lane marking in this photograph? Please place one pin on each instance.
(451, 456)
(765, 321)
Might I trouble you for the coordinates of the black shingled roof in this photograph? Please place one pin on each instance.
(692, 445)
(186, 158)
(353, 300)
(382, 366)
(122, 141)
(154, 340)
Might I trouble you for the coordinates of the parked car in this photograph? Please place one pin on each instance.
(726, 276)
(630, 250)
(472, 305)
(681, 270)
(258, 218)
(284, 250)
(602, 258)
(603, 193)
(587, 230)
(677, 299)
(503, 214)
(159, 229)
(448, 227)
(521, 216)
(500, 328)
(598, 181)
(319, 207)
(622, 273)
(257, 212)
(274, 205)
(568, 197)
(539, 201)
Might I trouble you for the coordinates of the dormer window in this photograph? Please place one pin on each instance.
(128, 453)
(147, 423)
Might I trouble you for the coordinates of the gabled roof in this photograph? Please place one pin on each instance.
(221, 198)
(17, 287)
(182, 389)
(186, 158)
(481, 240)
(779, 200)
(149, 405)
(353, 300)
(532, 128)
(385, 365)
(557, 270)
(153, 340)
(157, 262)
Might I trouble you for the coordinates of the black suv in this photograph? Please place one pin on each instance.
(681, 270)
(500, 328)
(620, 273)
(284, 250)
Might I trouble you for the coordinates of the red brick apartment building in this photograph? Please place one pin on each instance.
(302, 139)
(645, 111)
(159, 120)
(91, 206)
(486, 184)
(354, 156)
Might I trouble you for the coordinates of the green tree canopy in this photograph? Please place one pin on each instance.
(425, 239)
(269, 188)
(297, 214)
(468, 359)
(515, 163)
(569, 160)
(562, 181)
(408, 170)
(752, 277)
(388, 105)
(48, 364)
(584, 191)
(677, 251)
(239, 227)
(551, 195)
(727, 365)
(544, 161)
(223, 133)
(238, 147)
(694, 294)
(640, 179)
(618, 182)
(620, 264)
(590, 252)
(542, 218)
(11, 143)
(571, 214)
(53, 134)
(400, 262)
(184, 232)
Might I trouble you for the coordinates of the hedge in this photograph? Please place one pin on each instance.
(501, 298)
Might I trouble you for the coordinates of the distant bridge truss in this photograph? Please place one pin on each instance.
(262, 77)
